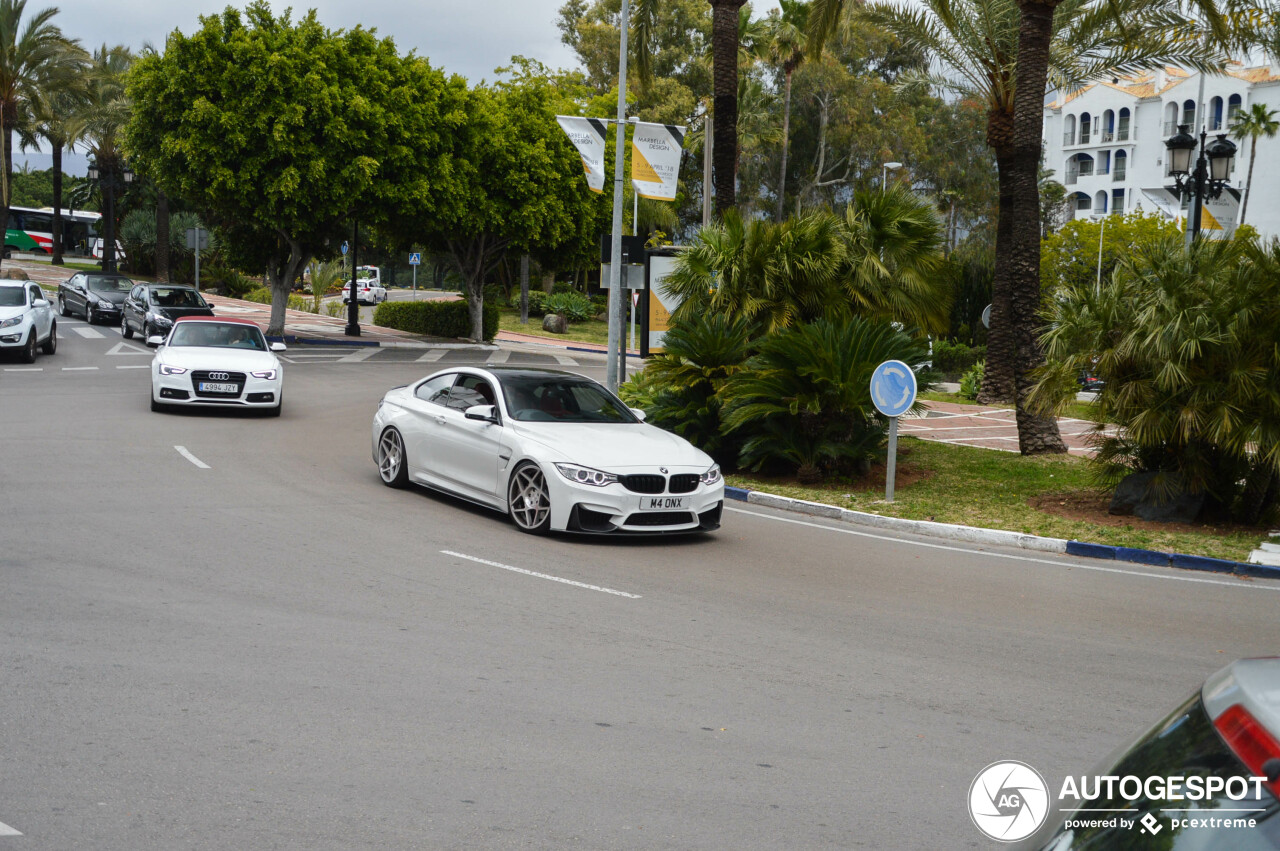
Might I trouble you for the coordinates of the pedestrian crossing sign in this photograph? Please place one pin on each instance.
(415, 259)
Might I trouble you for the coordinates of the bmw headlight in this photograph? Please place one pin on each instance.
(11, 321)
(165, 369)
(268, 374)
(711, 476)
(585, 475)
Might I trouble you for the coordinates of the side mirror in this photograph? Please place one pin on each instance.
(484, 413)
(40, 302)
(155, 340)
(279, 347)
(638, 412)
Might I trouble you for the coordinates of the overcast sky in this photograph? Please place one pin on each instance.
(468, 37)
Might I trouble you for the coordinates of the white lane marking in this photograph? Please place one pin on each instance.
(565, 361)
(5, 830)
(24, 369)
(500, 356)
(1033, 560)
(541, 575)
(432, 356)
(135, 366)
(123, 348)
(182, 450)
(79, 368)
(356, 357)
(87, 332)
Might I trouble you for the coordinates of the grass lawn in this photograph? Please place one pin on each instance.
(981, 487)
(591, 331)
(1076, 410)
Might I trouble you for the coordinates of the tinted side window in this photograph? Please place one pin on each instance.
(461, 398)
(437, 389)
(478, 385)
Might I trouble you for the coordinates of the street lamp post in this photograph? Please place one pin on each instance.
(884, 174)
(1209, 177)
(107, 178)
(1102, 233)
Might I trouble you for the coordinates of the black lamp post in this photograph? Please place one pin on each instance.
(1212, 167)
(353, 307)
(108, 178)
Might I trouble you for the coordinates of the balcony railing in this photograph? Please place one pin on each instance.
(1117, 204)
(1170, 128)
(1071, 178)
(1122, 133)
(1108, 136)
(1102, 169)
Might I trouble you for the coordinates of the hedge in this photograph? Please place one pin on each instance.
(956, 358)
(434, 318)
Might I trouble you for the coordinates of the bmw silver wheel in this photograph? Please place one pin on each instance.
(392, 467)
(528, 500)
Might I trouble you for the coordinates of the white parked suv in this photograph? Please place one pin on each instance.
(26, 320)
(371, 290)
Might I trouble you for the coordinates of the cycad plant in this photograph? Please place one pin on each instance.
(1188, 343)
(803, 401)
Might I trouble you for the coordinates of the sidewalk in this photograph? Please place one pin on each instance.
(988, 427)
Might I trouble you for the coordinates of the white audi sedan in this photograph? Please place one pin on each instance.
(207, 361)
(554, 450)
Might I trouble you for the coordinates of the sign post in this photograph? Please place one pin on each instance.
(415, 260)
(893, 392)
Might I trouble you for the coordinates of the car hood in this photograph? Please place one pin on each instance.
(614, 447)
(202, 357)
(9, 312)
(176, 312)
(113, 297)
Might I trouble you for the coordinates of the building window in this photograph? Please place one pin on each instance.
(1122, 129)
(1215, 113)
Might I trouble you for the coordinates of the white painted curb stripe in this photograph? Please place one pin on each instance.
(182, 450)
(5, 830)
(951, 531)
(542, 575)
(1245, 584)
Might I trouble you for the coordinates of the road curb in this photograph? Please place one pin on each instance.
(389, 344)
(1000, 537)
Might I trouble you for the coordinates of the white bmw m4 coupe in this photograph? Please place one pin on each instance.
(554, 450)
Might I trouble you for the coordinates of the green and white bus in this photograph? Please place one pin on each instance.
(31, 231)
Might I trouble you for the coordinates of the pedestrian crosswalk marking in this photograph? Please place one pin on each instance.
(432, 356)
(87, 332)
(500, 356)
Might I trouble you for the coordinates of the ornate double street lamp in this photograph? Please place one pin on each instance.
(112, 174)
(1212, 167)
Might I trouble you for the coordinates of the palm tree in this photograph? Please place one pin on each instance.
(724, 52)
(787, 44)
(977, 44)
(100, 122)
(1257, 122)
(31, 56)
(50, 119)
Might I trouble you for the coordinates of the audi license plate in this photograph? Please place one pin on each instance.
(217, 387)
(663, 503)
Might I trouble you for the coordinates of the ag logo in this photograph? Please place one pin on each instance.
(1008, 801)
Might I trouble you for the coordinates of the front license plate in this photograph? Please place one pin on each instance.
(215, 387)
(662, 503)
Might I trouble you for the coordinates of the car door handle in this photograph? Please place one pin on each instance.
(440, 420)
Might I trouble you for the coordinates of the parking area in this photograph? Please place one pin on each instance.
(988, 427)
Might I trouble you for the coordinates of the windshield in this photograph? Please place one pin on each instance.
(567, 399)
(13, 296)
(99, 284)
(175, 297)
(218, 335)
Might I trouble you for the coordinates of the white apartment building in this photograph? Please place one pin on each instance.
(1105, 142)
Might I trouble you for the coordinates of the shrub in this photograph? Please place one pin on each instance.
(335, 309)
(561, 287)
(955, 358)
(298, 302)
(261, 295)
(971, 381)
(229, 281)
(575, 307)
(804, 399)
(434, 318)
(537, 302)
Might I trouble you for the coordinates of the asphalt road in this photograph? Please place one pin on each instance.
(273, 650)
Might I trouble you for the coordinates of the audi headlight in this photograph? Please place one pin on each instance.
(11, 321)
(165, 369)
(585, 475)
(711, 476)
(268, 374)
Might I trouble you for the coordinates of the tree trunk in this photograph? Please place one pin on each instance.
(281, 273)
(1259, 492)
(786, 137)
(7, 117)
(524, 289)
(56, 248)
(997, 378)
(1036, 434)
(162, 236)
(1248, 183)
(724, 147)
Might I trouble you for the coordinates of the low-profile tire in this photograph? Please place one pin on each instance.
(125, 330)
(28, 353)
(88, 314)
(146, 333)
(158, 407)
(50, 345)
(62, 306)
(528, 501)
(276, 411)
(393, 464)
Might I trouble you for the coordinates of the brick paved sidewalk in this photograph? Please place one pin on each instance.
(988, 427)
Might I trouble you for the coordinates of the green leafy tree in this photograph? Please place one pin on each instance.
(99, 123)
(1257, 122)
(787, 43)
(283, 132)
(1069, 257)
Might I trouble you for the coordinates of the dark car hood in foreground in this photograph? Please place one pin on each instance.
(176, 312)
(113, 297)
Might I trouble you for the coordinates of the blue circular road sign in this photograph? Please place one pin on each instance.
(893, 388)
(345, 248)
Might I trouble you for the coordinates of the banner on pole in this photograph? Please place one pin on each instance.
(587, 135)
(655, 160)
